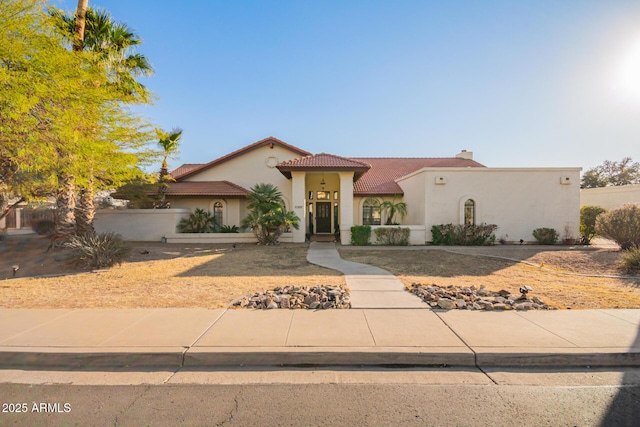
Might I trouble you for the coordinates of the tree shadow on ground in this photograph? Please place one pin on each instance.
(624, 409)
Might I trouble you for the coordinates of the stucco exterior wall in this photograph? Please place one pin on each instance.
(610, 197)
(251, 168)
(517, 200)
(145, 225)
(414, 197)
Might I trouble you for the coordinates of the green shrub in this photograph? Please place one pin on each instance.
(463, 234)
(545, 235)
(199, 221)
(229, 229)
(98, 250)
(588, 216)
(630, 261)
(392, 236)
(621, 225)
(361, 235)
(44, 227)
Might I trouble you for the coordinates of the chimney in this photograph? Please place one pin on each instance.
(464, 154)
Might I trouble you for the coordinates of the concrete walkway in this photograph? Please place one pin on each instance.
(370, 287)
(96, 339)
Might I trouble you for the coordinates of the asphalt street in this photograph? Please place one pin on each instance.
(322, 397)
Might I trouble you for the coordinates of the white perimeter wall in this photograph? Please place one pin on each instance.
(517, 200)
(610, 197)
(145, 225)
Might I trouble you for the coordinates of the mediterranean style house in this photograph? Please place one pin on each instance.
(330, 193)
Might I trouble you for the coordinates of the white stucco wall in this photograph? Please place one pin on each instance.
(517, 200)
(610, 197)
(251, 168)
(144, 225)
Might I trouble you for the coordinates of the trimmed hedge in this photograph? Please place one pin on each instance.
(361, 235)
(395, 236)
(463, 235)
(545, 235)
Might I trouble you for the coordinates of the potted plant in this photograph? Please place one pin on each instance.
(568, 238)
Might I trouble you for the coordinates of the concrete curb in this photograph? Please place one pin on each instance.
(205, 358)
(90, 358)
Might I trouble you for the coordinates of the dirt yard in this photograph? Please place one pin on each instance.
(552, 283)
(168, 275)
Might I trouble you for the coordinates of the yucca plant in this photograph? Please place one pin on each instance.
(97, 251)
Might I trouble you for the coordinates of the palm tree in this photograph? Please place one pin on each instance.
(114, 42)
(95, 31)
(65, 218)
(268, 217)
(169, 141)
(390, 208)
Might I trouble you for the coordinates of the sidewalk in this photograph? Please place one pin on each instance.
(150, 338)
(387, 326)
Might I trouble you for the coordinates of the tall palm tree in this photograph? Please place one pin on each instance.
(65, 218)
(113, 42)
(169, 141)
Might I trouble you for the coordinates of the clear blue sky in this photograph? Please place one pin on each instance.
(519, 83)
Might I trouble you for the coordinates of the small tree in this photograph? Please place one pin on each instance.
(624, 172)
(588, 216)
(621, 225)
(268, 217)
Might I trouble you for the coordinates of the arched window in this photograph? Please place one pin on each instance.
(217, 214)
(470, 212)
(370, 213)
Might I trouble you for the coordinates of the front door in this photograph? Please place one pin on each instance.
(323, 217)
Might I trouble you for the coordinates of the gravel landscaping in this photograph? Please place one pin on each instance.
(296, 297)
(471, 298)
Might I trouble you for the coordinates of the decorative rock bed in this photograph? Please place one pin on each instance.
(472, 298)
(296, 297)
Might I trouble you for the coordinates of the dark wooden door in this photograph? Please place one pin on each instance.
(323, 217)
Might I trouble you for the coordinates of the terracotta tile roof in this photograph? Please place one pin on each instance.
(206, 188)
(184, 169)
(322, 162)
(380, 179)
(261, 143)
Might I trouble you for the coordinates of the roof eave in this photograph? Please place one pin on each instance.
(286, 170)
